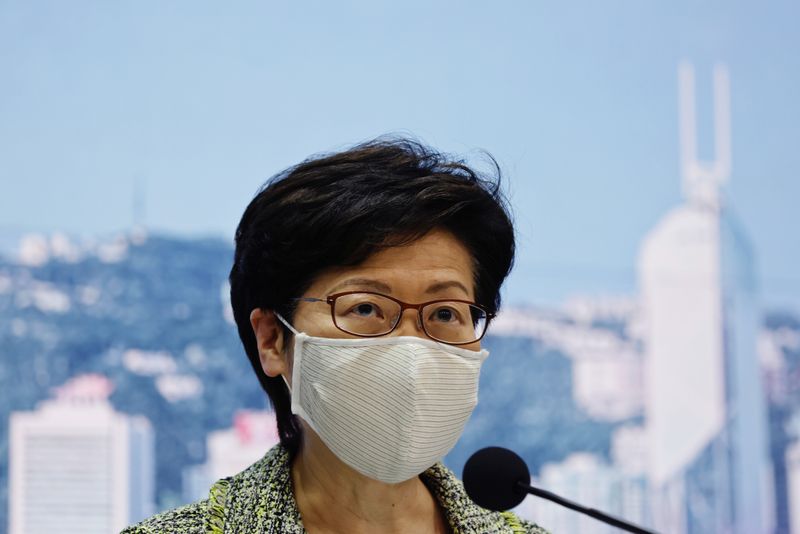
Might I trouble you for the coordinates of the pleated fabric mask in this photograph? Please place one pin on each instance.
(389, 407)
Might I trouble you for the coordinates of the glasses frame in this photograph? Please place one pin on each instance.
(331, 300)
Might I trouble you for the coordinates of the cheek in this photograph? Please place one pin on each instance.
(318, 325)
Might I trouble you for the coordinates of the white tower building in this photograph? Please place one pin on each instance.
(705, 412)
(77, 466)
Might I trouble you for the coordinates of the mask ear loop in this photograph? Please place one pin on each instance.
(296, 333)
(287, 384)
(286, 323)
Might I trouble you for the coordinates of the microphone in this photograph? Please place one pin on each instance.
(498, 479)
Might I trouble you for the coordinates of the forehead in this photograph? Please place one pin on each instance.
(437, 261)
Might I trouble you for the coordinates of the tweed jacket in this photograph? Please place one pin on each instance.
(260, 500)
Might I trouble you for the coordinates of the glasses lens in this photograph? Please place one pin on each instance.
(365, 314)
(454, 322)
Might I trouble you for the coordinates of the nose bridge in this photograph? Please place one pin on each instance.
(409, 323)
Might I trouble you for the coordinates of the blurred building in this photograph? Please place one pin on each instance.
(704, 405)
(605, 357)
(590, 481)
(231, 450)
(629, 458)
(77, 466)
(793, 479)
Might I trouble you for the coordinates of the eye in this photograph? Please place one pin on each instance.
(366, 310)
(445, 314)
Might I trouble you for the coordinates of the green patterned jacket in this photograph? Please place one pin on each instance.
(260, 500)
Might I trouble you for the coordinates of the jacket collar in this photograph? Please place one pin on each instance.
(260, 499)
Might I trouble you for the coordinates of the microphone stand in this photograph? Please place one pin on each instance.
(597, 514)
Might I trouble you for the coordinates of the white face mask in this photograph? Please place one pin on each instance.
(388, 407)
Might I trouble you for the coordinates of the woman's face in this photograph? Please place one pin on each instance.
(436, 266)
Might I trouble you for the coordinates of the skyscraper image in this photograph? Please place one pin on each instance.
(704, 408)
(77, 466)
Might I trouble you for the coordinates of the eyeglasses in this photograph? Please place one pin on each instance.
(367, 314)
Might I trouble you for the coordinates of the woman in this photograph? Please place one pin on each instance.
(362, 284)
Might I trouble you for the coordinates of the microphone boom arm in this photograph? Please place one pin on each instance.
(597, 514)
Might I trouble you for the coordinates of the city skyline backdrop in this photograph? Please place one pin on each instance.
(191, 107)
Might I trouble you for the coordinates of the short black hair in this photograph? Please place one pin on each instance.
(338, 209)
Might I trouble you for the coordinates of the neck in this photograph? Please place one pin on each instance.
(331, 496)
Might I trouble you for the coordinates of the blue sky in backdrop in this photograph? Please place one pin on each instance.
(200, 102)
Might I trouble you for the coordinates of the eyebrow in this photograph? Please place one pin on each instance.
(440, 286)
(374, 284)
(386, 288)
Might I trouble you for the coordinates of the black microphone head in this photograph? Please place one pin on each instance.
(491, 478)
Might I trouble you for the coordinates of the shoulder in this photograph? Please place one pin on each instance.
(519, 525)
(242, 503)
(189, 519)
(464, 515)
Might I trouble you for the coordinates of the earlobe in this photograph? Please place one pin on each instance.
(269, 339)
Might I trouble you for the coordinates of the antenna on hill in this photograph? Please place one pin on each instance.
(138, 232)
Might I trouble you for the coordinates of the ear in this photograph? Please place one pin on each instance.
(269, 338)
